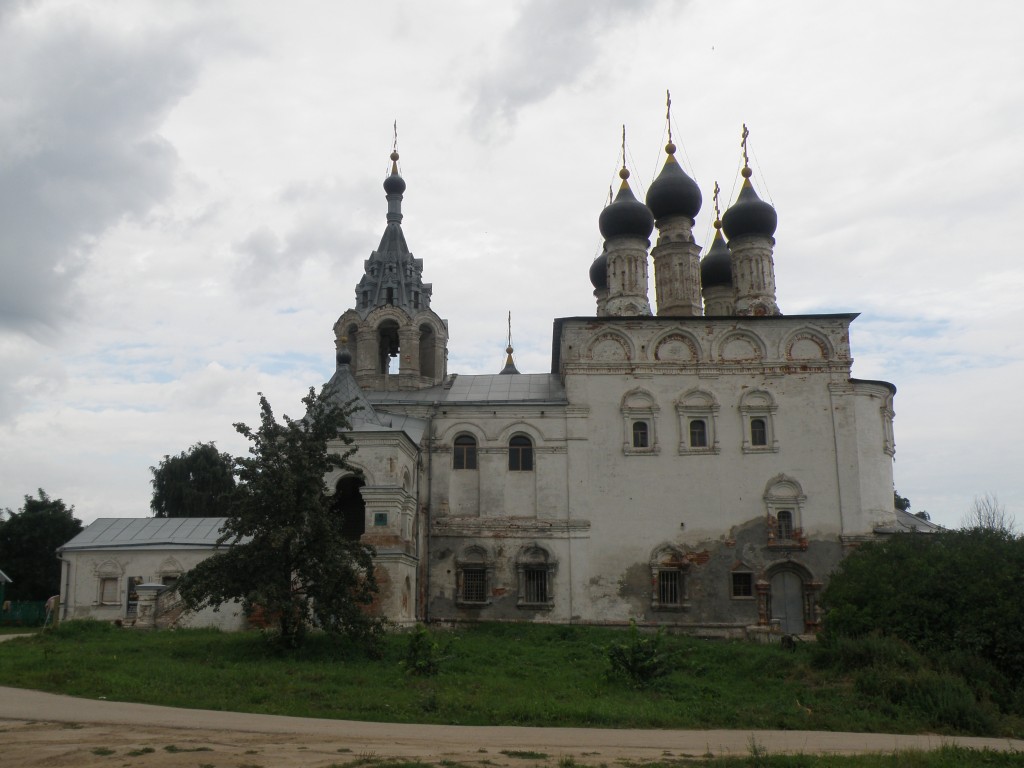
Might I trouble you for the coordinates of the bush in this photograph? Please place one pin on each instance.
(956, 592)
(641, 659)
(423, 654)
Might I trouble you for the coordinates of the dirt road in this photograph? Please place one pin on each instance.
(42, 729)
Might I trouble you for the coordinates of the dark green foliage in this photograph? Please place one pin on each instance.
(641, 659)
(288, 556)
(195, 483)
(28, 546)
(901, 503)
(423, 655)
(955, 594)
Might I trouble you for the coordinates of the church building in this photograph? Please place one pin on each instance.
(702, 463)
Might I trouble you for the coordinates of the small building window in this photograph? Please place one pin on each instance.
(366, 298)
(785, 518)
(697, 412)
(639, 422)
(108, 591)
(520, 454)
(535, 589)
(670, 587)
(640, 435)
(668, 579)
(758, 432)
(742, 584)
(473, 574)
(757, 408)
(390, 296)
(474, 584)
(698, 433)
(464, 453)
(535, 570)
(415, 299)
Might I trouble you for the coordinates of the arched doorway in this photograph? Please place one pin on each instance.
(787, 602)
(348, 502)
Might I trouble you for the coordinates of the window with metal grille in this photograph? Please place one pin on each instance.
(758, 432)
(698, 433)
(743, 585)
(640, 434)
(535, 588)
(520, 454)
(670, 587)
(464, 452)
(474, 585)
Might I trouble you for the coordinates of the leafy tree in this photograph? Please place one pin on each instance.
(28, 545)
(192, 484)
(902, 503)
(953, 592)
(288, 555)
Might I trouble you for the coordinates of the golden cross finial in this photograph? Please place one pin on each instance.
(394, 146)
(743, 143)
(623, 145)
(510, 327)
(668, 113)
(717, 191)
(610, 198)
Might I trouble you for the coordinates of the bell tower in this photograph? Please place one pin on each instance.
(395, 340)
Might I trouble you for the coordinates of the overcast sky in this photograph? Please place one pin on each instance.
(188, 191)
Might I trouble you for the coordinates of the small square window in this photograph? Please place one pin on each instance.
(743, 585)
(380, 518)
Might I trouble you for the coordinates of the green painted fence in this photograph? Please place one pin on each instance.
(23, 613)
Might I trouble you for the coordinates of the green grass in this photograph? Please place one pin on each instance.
(511, 674)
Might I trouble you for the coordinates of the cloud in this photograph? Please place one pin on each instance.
(80, 113)
(548, 47)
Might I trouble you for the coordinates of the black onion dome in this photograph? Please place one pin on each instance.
(626, 216)
(749, 215)
(394, 184)
(599, 272)
(673, 193)
(343, 356)
(716, 266)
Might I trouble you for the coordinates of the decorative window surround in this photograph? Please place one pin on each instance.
(535, 572)
(758, 408)
(697, 405)
(474, 575)
(639, 406)
(669, 585)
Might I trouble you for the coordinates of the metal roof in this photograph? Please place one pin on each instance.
(145, 532)
(486, 388)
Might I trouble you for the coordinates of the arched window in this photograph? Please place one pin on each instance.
(520, 454)
(668, 579)
(641, 438)
(758, 412)
(473, 573)
(697, 411)
(758, 432)
(698, 433)
(348, 502)
(464, 452)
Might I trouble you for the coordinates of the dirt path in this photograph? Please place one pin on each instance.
(42, 729)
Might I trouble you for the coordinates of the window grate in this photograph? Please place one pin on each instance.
(670, 584)
(536, 585)
(474, 585)
(743, 585)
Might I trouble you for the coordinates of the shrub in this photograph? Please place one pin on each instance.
(423, 654)
(641, 659)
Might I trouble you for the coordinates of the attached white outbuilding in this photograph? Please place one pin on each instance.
(104, 566)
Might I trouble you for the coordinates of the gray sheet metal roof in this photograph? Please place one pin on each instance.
(146, 532)
(487, 388)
